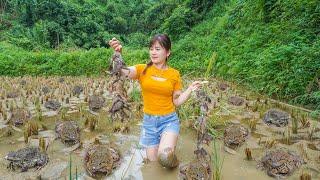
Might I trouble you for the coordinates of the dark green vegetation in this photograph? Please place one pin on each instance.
(272, 46)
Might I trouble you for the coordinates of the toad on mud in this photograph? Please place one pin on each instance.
(52, 105)
(280, 163)
(276, 117)
(100, 159)
(236, 101)
(197, 169)
(26, 158)
(223, 86)
(235, 136)
(45, 89)
(68, 132)
(19, 117)
(96, 102)
(77, 90)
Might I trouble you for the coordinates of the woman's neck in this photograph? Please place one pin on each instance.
(161, 65)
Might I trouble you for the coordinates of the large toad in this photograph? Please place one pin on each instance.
(279, 163)
(197, 169)
(276, 117)
(68, 132)
(235, 136)
(100, 159)
(26, 158)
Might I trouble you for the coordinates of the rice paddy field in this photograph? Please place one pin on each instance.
(80, 128)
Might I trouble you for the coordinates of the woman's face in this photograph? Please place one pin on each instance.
(158, 54)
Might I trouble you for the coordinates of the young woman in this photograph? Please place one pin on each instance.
(162, 92)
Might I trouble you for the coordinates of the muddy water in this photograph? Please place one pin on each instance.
(133, 156)
(235, 165)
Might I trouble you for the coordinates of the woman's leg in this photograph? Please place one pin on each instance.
(150, 138)
(166, 151)
(169, 132)
(168, 140)
(152, 153)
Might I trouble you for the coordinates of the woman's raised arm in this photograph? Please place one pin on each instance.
(131, 72)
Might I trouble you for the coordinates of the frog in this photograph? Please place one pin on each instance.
(197, 169)
(280, 163)
(236, 100)
(77, 90)
(68, 132)
(119, 104)
(276, 117)
(19, 117)
(52, 105)
(26, 158)
(96, 102)
(101, 159)
(235, 135)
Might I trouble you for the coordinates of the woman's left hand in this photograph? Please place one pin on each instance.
(195, 85)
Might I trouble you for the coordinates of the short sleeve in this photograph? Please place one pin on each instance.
(178, 82)
(139, 69)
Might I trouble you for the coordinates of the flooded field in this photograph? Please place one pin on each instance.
(69, 118)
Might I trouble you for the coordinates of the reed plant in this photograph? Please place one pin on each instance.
(217, 161)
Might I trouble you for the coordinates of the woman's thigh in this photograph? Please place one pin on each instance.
(169, 132)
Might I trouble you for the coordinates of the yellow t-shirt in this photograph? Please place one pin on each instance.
(158, 94)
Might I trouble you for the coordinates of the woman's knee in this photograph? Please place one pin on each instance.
(152, 153)
(168, 158)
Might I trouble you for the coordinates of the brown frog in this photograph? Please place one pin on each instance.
(77, 90)
(236, 101)
(118, 106)
(68, 132)
(235, 136)
(223, 86)
(276, 117)
(19, 116)
(23, 82)
(45, 89)
(117, 86)
(116, 64)
(96, 102)
(26, 158)
(100, 159)
(52, 105)
(280, 163)
(197, 169)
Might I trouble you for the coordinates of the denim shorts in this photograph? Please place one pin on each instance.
(153, 126)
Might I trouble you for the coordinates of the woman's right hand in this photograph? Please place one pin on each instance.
(194, 86)
(115, 44)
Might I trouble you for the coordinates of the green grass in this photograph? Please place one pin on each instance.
(270, 46)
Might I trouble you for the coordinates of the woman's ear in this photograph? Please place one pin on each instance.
(168, 53)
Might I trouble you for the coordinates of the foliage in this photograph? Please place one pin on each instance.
(271, 46)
